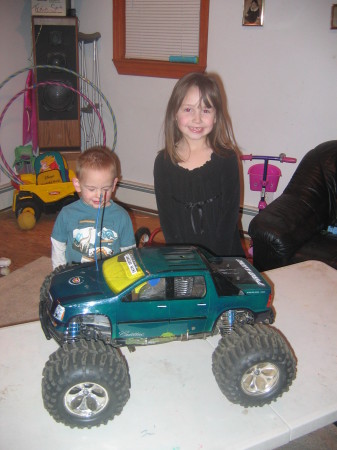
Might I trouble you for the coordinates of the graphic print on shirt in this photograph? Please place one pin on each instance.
(86, 240)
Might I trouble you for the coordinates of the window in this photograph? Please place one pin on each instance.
(189, 287)
(148, 64)
(168, 288)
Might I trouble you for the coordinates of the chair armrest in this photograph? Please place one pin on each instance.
(280, 229)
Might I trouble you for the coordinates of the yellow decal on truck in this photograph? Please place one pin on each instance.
(121, 271)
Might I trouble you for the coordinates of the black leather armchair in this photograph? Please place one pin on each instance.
(293, 227)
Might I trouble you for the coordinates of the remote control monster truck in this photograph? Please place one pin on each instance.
(153, 295)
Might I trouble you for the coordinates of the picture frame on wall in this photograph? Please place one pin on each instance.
(334, 17)
(253, 12)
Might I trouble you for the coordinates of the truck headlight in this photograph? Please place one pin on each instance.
(59, 312)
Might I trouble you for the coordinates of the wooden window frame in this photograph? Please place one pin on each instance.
(152, 68)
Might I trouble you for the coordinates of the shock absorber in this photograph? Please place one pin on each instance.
(228, 321)
(73, 331)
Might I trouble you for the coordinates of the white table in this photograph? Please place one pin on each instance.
(175, 403)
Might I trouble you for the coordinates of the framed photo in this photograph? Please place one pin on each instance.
(253, 11)
(334, 17)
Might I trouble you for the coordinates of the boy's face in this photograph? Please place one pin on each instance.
(95, 186)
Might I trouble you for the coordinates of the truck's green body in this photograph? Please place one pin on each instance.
(154, 294)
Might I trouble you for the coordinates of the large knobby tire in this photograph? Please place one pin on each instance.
(253, 365)
(44, 290)
(85, 384)
(46, 283)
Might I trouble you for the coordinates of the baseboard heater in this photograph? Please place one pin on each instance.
(6, 195)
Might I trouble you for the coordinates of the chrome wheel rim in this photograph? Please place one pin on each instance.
(260, 379)
(86, 399)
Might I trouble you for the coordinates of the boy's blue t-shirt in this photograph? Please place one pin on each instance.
(80, 226)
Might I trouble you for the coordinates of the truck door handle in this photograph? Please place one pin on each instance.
(161, 306)
(201, 304)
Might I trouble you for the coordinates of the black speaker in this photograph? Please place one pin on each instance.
(55, 43)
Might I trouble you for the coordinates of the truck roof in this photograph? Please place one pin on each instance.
(158, 259)
(238, 271)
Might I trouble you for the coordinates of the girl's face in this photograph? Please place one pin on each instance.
(95, 185)
(194, 119)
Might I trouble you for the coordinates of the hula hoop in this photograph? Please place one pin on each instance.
(64, 69)
(7, 170)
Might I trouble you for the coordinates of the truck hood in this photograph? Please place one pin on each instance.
(81, 281)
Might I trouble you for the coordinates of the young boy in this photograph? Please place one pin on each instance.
(94, 224)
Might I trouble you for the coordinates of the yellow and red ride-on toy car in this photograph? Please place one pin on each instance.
(45, 191)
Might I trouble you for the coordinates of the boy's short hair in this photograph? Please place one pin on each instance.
(97, 158)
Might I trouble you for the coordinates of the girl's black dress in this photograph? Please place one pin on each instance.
(200, 206)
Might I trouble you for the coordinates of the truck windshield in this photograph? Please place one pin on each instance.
(121, 271)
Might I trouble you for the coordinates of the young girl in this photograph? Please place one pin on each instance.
(196, 176)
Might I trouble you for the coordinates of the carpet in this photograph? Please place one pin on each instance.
(20, 292)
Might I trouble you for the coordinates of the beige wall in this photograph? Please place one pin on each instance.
(280, 81)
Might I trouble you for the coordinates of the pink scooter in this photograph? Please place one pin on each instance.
(264, 177)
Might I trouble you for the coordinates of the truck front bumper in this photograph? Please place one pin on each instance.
(47, 325)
